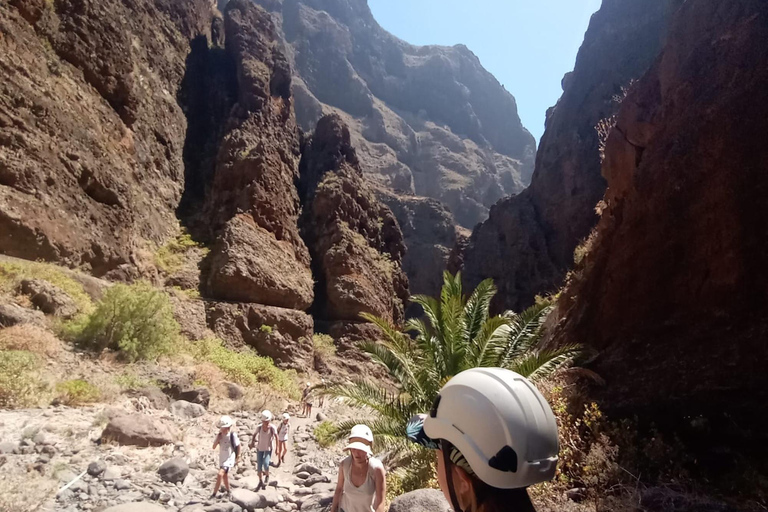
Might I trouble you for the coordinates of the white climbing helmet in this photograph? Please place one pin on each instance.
(286, 416)
(266, 415)
(363, 432)
(500, 423)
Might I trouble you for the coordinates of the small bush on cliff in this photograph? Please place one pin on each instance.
(136, 320)
(77, 392)
(324, 344)
(19, 384)
(245, 367)
(170, 257)
(30, 338)
(12, 273)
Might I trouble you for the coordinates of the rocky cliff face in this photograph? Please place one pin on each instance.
(252, 203)
(527, 243)
(673, 293)
(355, 241)
(91, 134)
(429, 234)
(424, 120)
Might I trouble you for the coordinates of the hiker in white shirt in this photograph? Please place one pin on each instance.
(264, 438)
(282, 437)
(361, 486)
(229, 452)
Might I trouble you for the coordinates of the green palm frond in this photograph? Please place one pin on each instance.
(476, 309)
(540, 364)
(525, 332)
(489, 344)
(368, 395)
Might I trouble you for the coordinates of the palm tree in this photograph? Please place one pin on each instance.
(455, 334)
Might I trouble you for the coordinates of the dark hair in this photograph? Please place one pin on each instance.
(501, 500)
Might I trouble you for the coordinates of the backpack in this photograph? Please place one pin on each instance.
(232, 444)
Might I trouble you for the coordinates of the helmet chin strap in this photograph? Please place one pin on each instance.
(448, 465)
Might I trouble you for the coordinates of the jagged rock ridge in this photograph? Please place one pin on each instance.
(673, 292)
(425, 120)
(527, 243)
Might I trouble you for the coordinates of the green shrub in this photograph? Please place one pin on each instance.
(135, 319)
(325, 434)
(18, 382)
(171, 256)
(245, 367)
(324, 344)
(266, 329)
(11, 274)
(77, 392)
(128, 380)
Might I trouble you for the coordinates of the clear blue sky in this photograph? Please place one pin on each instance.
(528, 45)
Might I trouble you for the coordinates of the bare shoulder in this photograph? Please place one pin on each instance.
(376, 465)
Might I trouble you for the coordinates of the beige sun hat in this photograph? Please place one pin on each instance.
(359, 445)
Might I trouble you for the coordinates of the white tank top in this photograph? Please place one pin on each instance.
(359, 499)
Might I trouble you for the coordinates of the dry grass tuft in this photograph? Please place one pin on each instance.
(30, 338)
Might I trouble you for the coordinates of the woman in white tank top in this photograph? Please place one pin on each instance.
(361, 486)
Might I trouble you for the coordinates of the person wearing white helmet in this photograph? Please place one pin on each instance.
(229, 452)
(495, 435)
(282, 437)
(361, 486)
(264, 438)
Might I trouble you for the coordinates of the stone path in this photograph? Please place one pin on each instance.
(43, 450)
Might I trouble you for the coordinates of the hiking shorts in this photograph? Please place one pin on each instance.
(262, 461)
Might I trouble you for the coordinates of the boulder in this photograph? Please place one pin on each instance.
(8, 447)
(318, 502)
(186, 410)
(315, 479)
(174, 470)
(111, 473)
(234, 391)
(12, 314)
(97, 467)
(249, 264)
(249, 500)
(421, 500)
(156, 397)
(139, 430)
(122, 485)
(50, 299)
(308, 468)
(285, 335)
(199, 396)
(136, 506)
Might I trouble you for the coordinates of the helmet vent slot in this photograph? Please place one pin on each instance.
(504, 460)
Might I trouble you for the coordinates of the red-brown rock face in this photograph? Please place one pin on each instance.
(356, 244)
(259, 255)
(91, 135)
(527, 243)
(674, 294)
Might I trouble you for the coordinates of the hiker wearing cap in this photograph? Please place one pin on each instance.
(229, 452)
(494, 434)
(361, 486)
(306, 400)
(282, 437)
(264, 439)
